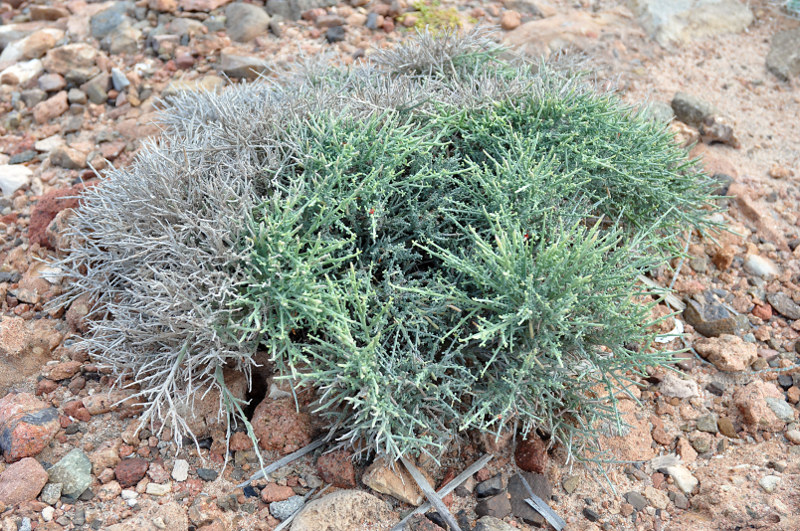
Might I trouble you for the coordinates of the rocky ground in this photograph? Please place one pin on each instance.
(714, 447)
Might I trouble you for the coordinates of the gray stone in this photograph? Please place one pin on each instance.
(286, 508)
(33, 96)
(710, 318)
(293, 9)
(96, 89)
(51, 493)
(206, 474)
(241, 66)
(497, 506)
(106, 21)
(761, 267)
(768, 483)
(51, 82)
(372, 21)
(490, 487)
(123, 40)
(638, 501)
(690, 109)
(74, 472)
(784, 304)
(490, 523)
(782, 410)
(119, 80)
(516, 489)
(685, 20)
(76, 96)
(707, 423)
(660, 112)
(245, 22)
(783, 58)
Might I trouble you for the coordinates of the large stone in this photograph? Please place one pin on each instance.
(685, 20)
(490, 523)
(783, 58)
(130, 471)
(245, 22)
(74, 472)
(531, 454)
(72, 57)
(690, 109)
(573, 29)
(337, 469)
(344, 510)
(241, 66)
(727, 352)
(33, 46)
(209, 83)
(280, 427)
(784, 305)
(396, 482)
(106, 21)
(710, 318)
(202, 5)
(13, 177)
(751, 403)
(21, 73)
(52, 107)
(22, 481)
(674, 386)
(292, 9)
(684, 479)
(27, 426)
(518, 494)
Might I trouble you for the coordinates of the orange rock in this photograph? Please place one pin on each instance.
(22, 481)
(274, 492)
(27, 426)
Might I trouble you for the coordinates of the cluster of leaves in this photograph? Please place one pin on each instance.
(446, 238)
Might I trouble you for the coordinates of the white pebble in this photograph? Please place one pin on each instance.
(129, 494)
(180, 471)
(47, 513)
(768, 483)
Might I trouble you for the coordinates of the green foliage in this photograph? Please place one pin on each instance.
(433, 16)
(793, 7)
(468, 268)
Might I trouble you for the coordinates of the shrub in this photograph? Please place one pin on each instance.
(439, 240)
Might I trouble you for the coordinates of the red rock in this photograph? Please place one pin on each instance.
(531, 454)
(51, 108)
(130, 471)
(63, 370)
(240, 441)
(22, 481)
(46, 209)
(280, 427)
(274, 492)
(77, 410)
(45, 386)
(793, 394)
(337, 468)
(27, 426)
(763, 311)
